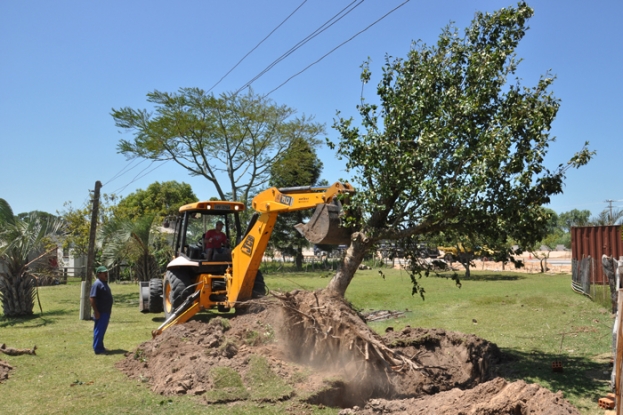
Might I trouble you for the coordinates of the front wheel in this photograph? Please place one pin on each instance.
(175, 292)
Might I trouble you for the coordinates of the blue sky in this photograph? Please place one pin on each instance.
(65, 64)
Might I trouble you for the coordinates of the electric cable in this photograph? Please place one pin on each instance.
(336, 18)
(256, 46)
(140, 175)
(337, 47)
(122, 172)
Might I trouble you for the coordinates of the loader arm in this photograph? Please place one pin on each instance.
(247, 256)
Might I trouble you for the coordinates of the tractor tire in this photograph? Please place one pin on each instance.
(448, 258)
(175, 292)
(155, 295)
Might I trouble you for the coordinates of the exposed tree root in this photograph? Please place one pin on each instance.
(326, 332)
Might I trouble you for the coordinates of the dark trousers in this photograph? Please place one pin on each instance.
(99, 330)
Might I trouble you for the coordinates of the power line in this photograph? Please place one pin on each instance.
(337, 47)
(122, 171)
(256, 46)
(140, 176)
(336, 18)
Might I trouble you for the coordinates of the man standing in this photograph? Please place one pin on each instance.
(101, 302)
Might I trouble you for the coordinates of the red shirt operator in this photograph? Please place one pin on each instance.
(215, 238)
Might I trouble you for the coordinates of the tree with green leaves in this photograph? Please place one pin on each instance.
(231, 140)
(607, 217)
(298, 166)
(452, 145)
(574, 217)
(159, 199)
(137, 242)
(77, 223)
(23, 239)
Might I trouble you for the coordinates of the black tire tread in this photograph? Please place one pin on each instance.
(155, 295)
(179, 282)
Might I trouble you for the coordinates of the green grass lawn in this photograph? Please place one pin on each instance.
(526, 315)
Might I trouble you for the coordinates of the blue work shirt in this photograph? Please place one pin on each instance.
(103, 297)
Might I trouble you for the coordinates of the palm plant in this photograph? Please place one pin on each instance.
(21, 239)
(608, 217)
(134, 241)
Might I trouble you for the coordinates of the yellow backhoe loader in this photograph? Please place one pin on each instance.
(194, 282)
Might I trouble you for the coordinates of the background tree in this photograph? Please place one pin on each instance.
(451, 146)
(22, 239)
(77, 223)
(136, 242)
(159, 199)
(298, 166)
(231, 140)
(573, 217)
(607, 217)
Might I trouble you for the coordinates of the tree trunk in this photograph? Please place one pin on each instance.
(18, 294)
(350, 264)
(146, 268)
(298, 258)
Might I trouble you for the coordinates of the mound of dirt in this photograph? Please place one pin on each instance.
(495, 397)
(317, 348)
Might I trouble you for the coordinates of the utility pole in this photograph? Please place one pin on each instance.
(610, 201)
(85, 303)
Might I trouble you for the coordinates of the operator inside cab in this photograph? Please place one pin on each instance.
(215, 242)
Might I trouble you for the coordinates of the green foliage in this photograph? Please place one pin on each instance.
(137, 242)
(237, 136)
(573, 217)
(607, 217)
(159, 199)
(298, 166)
(78, 223)
(23, 239)
(453, 146)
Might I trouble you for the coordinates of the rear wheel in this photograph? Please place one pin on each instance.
(175, 292)
(155, 295)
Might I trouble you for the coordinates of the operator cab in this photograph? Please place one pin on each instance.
(196, 219)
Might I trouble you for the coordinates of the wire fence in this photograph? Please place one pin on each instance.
(583, 278)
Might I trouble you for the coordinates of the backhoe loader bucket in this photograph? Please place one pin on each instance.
(324, 227)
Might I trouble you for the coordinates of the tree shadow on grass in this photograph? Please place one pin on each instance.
(492, 277)
(126, 300)
(36, 320)
(580, 376)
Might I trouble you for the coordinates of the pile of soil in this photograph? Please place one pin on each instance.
(495, 397)
(316, 348)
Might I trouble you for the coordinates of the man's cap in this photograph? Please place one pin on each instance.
(101, 269)
(218, 222)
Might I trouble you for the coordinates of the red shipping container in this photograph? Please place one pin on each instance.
(595, 241)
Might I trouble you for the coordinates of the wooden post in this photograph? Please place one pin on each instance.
(85, 304)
